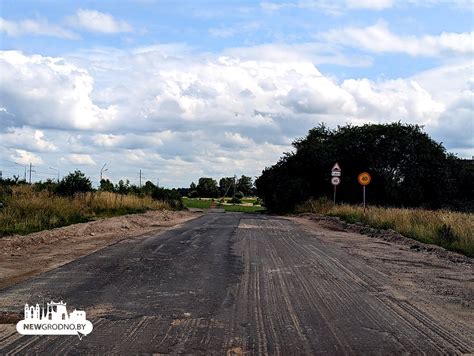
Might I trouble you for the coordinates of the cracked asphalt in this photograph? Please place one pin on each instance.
(230, 284)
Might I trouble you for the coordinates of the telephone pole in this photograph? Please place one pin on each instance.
(233, 195)
(31, 166)
(140, 185)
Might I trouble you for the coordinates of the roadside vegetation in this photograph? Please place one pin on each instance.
(27, 208)
(451, 230)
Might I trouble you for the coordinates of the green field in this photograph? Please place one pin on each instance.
(206, 204)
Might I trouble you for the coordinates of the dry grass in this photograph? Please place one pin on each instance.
(28, 211)
(452, 230)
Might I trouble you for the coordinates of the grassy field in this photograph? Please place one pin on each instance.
(28, 211)
(206, 204)
(452, 230)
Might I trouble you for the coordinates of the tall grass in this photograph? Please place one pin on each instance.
(27, 210)
(452, 230)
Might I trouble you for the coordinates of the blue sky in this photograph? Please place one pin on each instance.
(183, 89)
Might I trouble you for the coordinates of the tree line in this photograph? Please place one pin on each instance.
(77, 182)
(408, 169)
(209, 188)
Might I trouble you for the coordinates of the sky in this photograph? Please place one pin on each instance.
(185, 89)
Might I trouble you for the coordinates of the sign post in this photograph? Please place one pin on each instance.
(335, 180)
(364, 179)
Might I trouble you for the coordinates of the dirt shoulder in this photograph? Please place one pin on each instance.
(22, 257)
(432, 278)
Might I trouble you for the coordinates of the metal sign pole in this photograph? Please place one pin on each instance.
(335, 194)
(363, 193)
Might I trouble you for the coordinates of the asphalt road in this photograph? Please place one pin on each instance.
(229, 284)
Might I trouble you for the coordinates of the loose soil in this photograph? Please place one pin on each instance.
(22, 257)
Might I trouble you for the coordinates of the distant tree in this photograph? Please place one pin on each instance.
(245, 185)
(171, 196)
(193, 194)
(49, 185)
(225, 186)
(148, 188)
(122, 187)
(106, 185)
(207, 187)
(74, 183)
(192, 186)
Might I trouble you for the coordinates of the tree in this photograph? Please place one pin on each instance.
(225, 186)
(106, 185)
(74, 183)
(121, 187)
(406, 165)
(207, 187)
(171, 196)
(245, 185)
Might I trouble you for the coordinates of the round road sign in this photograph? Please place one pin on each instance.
(364, 178)
(335, 180)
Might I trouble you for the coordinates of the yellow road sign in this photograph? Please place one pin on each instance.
(364, 178)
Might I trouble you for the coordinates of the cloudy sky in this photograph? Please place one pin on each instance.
(183, 89)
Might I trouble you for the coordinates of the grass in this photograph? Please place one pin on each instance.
(451, 230)
(28, 211)
(206, 204)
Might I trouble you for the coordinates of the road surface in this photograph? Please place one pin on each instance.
(230, 284)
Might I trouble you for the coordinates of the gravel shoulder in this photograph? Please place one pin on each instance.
(432, 278)
(22, 257)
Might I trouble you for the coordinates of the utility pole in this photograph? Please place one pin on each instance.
(31, 166)
(157, 182)
(103, 170)
(140, 185)
(233, 195)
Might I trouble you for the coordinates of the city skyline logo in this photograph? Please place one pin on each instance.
(53, 319)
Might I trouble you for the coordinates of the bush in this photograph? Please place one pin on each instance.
(234, 201)
(74, 183)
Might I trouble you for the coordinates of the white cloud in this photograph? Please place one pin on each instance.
(79, 159)
(378, 38)
(25, 157)
(370, 4)
(48, 92)
(339, 7)
(28, 139)
(36, 27)
(96, 21)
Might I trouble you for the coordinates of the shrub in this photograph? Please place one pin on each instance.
(74, 183)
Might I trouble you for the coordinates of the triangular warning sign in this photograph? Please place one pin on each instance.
(336, 167)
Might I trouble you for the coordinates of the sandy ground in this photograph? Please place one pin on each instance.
(22, 257)
(430, 277)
